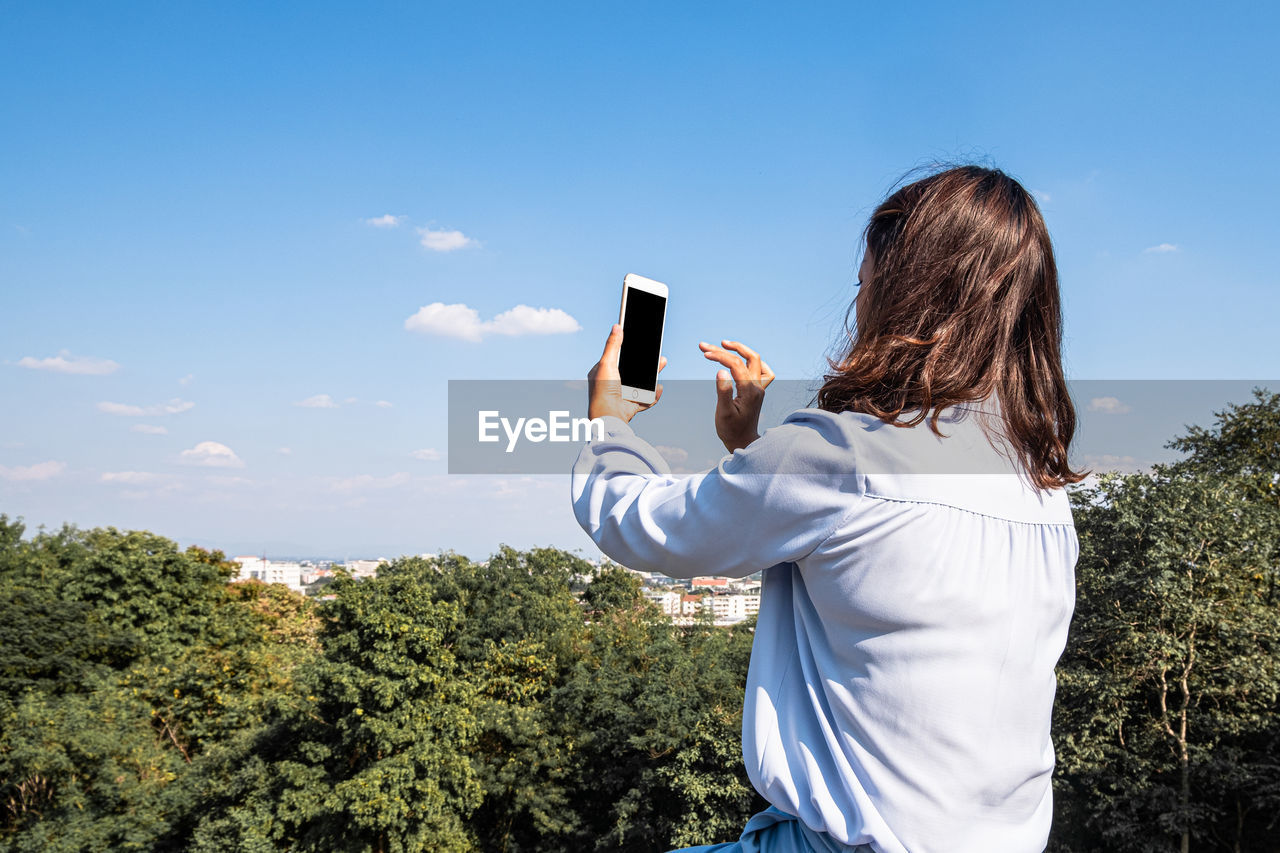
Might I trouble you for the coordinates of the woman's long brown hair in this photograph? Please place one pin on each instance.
(962, 306)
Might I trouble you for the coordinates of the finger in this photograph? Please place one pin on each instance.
(657, 394)
(612, 345)
(708, 349)
(724, 388)
(662, 362)
(766, 373)
(736, 365)
(752, 358)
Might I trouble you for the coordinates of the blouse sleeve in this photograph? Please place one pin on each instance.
(772, 502)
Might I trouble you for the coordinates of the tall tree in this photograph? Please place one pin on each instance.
(370, 753)
(1168, 688)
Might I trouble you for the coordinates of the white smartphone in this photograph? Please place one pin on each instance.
(643, 313)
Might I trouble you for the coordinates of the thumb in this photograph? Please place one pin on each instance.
(724, 388)
(612, 345)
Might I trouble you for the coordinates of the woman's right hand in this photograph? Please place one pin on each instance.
(738, 417)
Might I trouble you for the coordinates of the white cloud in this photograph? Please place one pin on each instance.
(130, 478)
(450, 321)
(350, 400)
(148, 429)
(462, 321)
(386, 221)
(319, 401)
(285, 451)
(673, 455)
(1042, 196)
(514, 488)
(1163, 248)
(1100, 462)
(186, 380)
(362, 482)
(523, 320)
(65, 362)
(383, 404)
(444, 240)
(212, 454)
(677, 458)
(172, 407)
(1109, 406)
(221, 480)
(30, 473)
(427, 454)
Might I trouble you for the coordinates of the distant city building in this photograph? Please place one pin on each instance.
(269, 571)
(709, 583)
(312, 574)
(363, 568)
(728, 609)
(684, 608)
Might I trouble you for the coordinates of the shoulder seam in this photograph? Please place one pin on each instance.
(1070, 523)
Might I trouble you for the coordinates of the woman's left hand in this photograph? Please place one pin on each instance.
(604, 383)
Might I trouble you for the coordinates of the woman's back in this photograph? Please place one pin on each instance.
(902, 681)
(916, 598)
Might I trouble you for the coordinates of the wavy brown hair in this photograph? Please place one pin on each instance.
(962, 305)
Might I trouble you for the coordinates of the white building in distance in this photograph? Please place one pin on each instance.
(683, 608)
(363, 568)
(269, 571)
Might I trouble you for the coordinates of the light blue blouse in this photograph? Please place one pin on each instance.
(917, 593)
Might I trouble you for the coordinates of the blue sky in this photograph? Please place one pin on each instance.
(197, 194)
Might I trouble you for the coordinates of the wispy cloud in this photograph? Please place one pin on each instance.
(361, 482)
(427, 454)
(212, 454)
(143, 485)
(462, 321)
(130, 478)
(1042, 196)
(385, 221)
(173, 407)
(31, 473)
(445, 240)
(65, 362)
(228, 481)
(148, 429)
(677, 458)
(319, 401)
(383, 404)
(284, 451)
(1109, 406)
(1162, 249)
(186, 380)
(1100, 463)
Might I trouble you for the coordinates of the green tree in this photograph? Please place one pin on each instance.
(1169, 684)
(123, 659)
(370, 754)
(659, 710)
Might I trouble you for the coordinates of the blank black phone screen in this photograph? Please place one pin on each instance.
(641, 339)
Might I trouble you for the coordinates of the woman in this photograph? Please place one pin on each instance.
(915, 535)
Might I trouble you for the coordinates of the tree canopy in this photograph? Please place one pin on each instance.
(146, 703)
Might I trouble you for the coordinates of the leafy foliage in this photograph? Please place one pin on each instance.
(1170, 685)
(509, 705)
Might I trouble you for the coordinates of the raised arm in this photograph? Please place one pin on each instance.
(771, 502)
